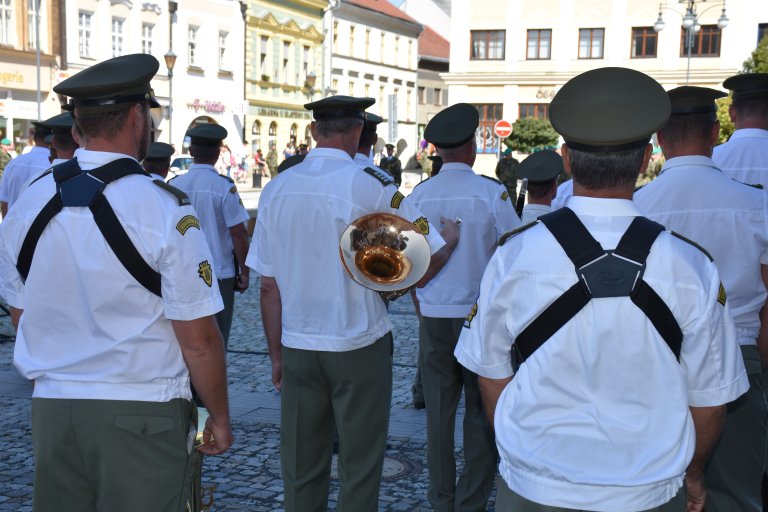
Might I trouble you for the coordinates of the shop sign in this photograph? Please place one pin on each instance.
(209, 107)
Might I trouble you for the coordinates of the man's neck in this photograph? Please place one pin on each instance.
(111, 146)
(603, 193)
(698, 150)
(546, 200)
(209, 162)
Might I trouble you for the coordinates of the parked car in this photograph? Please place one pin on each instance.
(180, 165)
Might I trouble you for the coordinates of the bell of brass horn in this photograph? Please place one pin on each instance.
(384, 252)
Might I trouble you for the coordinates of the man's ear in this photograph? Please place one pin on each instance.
(566, 159)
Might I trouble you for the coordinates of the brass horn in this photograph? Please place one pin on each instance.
(385, 253)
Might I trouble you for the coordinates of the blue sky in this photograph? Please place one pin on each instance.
(396, 2)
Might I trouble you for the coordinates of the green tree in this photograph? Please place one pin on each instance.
(530, 134)
(758, 61)
(726, 125)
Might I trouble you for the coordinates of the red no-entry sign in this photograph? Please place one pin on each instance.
(502, 129)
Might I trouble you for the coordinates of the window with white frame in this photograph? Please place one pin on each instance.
(263, 57)
(117, 36)
(35, 9)
(147, 29)
(223, 51)
(286, 52)
(192, 57)
(6, 22)
(84, 32)
(305, 62)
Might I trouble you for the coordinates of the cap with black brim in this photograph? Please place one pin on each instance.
(339, 107)
(694, 100)
(112, 85)
(747, 84)
(207, 134)
(159, 151)
(541, 167)
(452, 126)
(609, 110)
(60, 121)
(373, 119)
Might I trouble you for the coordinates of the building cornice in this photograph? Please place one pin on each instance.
(23, 55)
(376, 19)
(268, 22)
(337, 57)
(299, 107)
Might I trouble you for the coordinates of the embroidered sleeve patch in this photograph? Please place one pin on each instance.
(721, 295)
(504, 196)
(422, 224)
(471, 316)
(187, 222)
(397, 198)
(205, 272)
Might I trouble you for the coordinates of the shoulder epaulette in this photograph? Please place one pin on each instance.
(641, 186)
(491, 178)
(422, 181)
(227, 178)
(688, 240)
(384, 178)
(509, 234)
(46, 173)
(181, 197)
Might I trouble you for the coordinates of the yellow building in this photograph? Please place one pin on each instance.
(22, 25)
(283, 71)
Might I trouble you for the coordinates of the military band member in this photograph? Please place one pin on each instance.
(158, 160)
(623, 361)
(506, 172)
(329, 338)
(222, 217)
(111, 342)
(20, 171)
(486, 213)
(62, 142)
(391, 164)
(745, 156)
(541, 169)
(693, 197)
(368, 138)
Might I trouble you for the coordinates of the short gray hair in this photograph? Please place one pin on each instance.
(328, 127)
(606, 170)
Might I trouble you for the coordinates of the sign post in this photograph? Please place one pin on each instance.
(502, 129)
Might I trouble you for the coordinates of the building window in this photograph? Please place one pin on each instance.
(367, 44)
(192, 45)
(397, 51)
(305, 62)
(410, 53)
(263, 57)
(117, 36)
(591, 43)
(335, 85)
(408, 98)
(6, 22)
(351, 40)
(762, 31)
(643, 42)
(223, 51)
(381, 50)
(540, 110)
(256, 140)
(272, 135)
(488, 44)
(286, 53)
(367, 90)
(422, 91)
(382, 106)
(84, 31)
(335, 36)
(539, 43)
(438, 96)
(706, 42)
(32, 25)
(146, 38)
(487, 142)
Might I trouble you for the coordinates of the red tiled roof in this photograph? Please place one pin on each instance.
(432, 44)
(382, 6)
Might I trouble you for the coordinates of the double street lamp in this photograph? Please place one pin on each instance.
(691, 26)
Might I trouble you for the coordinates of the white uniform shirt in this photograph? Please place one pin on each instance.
(302, 215)
(21, 171)
(364, 161)
(89, 329)
(564, 192)
(597, 418)
(693, 197)
(219, 207)
(745, 156)
(486, 214)
(156, 176)
(531, 212)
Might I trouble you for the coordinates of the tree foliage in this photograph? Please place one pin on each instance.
(530, 134)
(726, 125)
(758, 61)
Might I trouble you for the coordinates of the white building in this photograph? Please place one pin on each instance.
(207, 38)
(509, 58)
(375, 54)
(434, 13)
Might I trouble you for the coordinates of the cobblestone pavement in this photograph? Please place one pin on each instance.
(247, 477)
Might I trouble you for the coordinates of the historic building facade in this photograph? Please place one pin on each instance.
(510, 58)
(22, 24)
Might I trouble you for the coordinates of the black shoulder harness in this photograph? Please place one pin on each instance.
(181, 197)
(75, 188)
(509, 234)
(380, 175)
(617, 273)
(688, 240)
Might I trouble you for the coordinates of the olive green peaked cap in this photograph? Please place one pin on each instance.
(207, 134)
(112, 85)
(452, 126)
(373, 119)
(60, 121)
(747, 84)
(694, 100)
(541, 166)
(339, 107)
(609, 109)
(159, 151)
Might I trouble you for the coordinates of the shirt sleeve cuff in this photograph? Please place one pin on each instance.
(725, 394)
(201, 309)
(497, 371)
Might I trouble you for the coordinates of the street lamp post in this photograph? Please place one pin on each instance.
(691, 25)
(170, 61)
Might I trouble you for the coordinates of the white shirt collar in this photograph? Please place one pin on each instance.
(599, 207)
(680, 161)
(749, 132)
(97, 158)
(328, 153)
(207, 167)
(456, 166)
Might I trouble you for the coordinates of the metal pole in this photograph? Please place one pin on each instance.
(37, 53)
(170, 107)
(689, 37)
